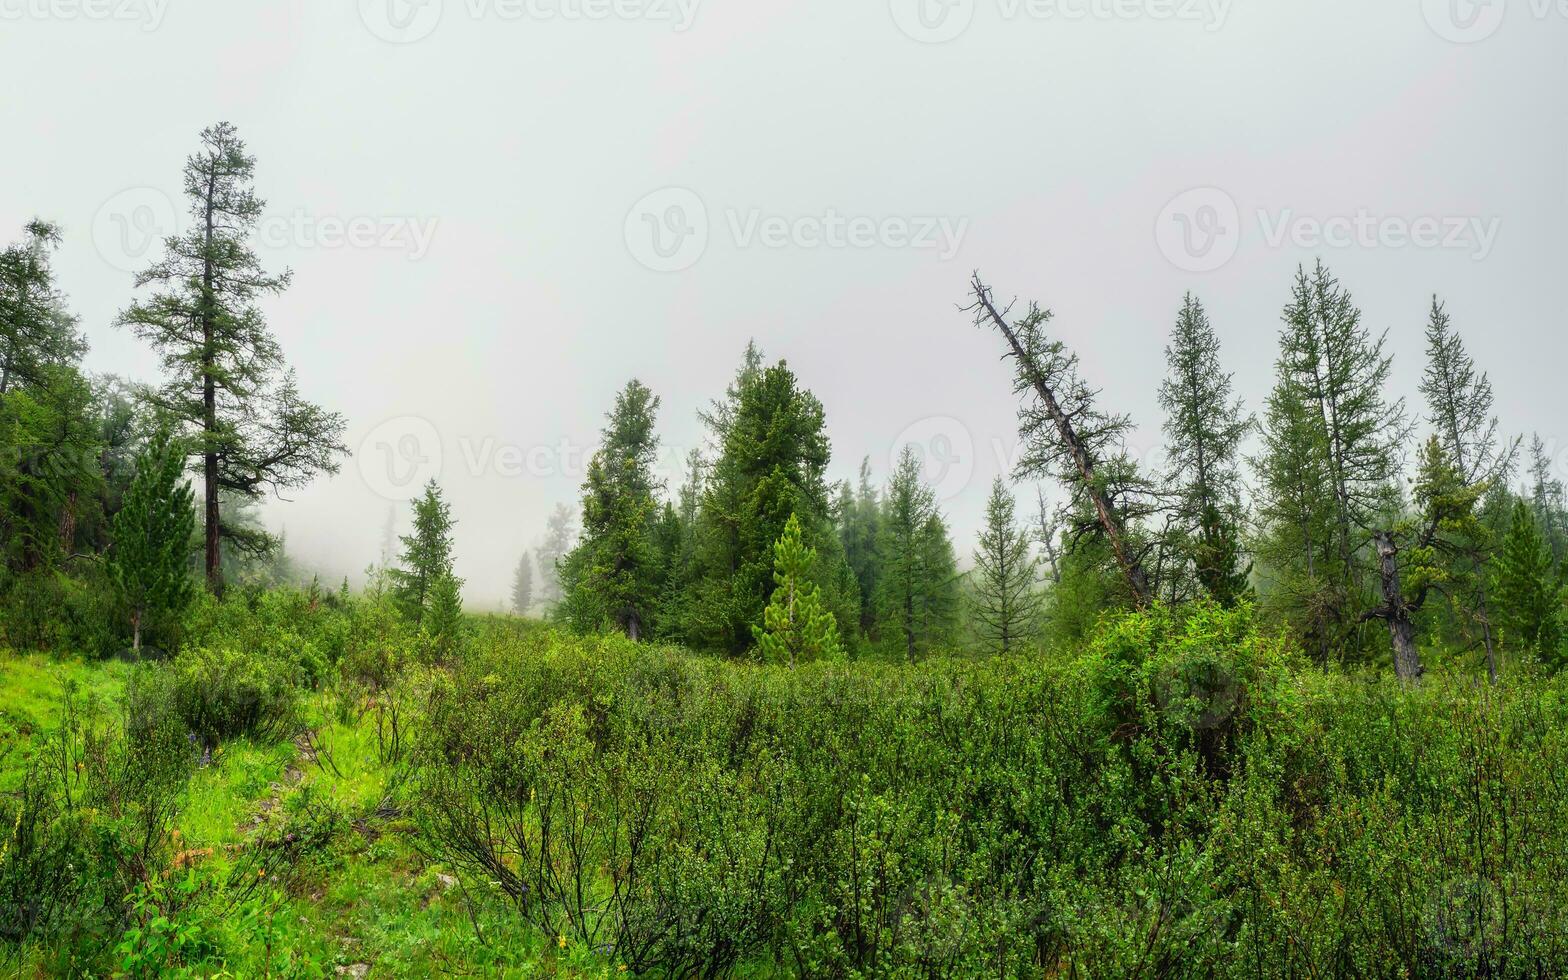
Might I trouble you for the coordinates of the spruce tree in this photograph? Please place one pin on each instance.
(918, 581)
(1524, 590)
(227, 385)
(1004, 604)
(795, 624)
(148, 560)
(523, 585)
(613, 575)
(1204, 426)
(443, 621)
(427, 555)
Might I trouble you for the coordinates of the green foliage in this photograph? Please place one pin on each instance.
(1005, 605)
(427, 555)
(1527, 597)
(613, 576)
(149, 561)
(919, 595)
(223, 693)
(1204, 427)
(227, 388)
(795, 626)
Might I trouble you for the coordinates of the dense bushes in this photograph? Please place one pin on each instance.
(1178, 800)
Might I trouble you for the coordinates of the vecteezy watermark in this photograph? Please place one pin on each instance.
(1199, 230)
(398, 456)
(301, 229)
(935, 21)
(129, 227)
(1469, 21)
(146, 13)
(945, 450)
(668, 230)
(406, 21)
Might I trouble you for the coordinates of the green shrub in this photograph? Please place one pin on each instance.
(223, 693)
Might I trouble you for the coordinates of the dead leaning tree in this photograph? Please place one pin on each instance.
(1066, 436)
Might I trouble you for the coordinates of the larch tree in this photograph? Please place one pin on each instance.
(1459, 409)
(148, 560)
(1204, 427)
(1341, 374)
(227, 383)
(1005, 603)
(1068, 437)
(1547, 499)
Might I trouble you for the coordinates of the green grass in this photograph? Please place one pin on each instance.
(363, 895)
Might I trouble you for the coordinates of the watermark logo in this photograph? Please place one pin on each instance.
(400, 21)
(301, 229)
(935, 21)
(146, 13)
(406, 21)
(397, 457)
(129, 228)
(1199, 230)
(932, 21)
(1463, 21)
(945, 450)
(667, 230)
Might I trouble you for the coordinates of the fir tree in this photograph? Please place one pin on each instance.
(226, 381)
(1005, 604)
(1204, 426)
(1547, 499)
(795, 624)
(148, 561)
(427, 555)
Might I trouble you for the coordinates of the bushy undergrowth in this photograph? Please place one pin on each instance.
(1181, 799)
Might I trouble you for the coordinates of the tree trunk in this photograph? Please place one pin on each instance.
(1401, 628)
(136, 631)
(1110, 522)
(209, 405)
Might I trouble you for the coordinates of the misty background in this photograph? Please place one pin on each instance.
(477, 198)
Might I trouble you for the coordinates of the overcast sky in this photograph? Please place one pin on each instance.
(498, 211)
